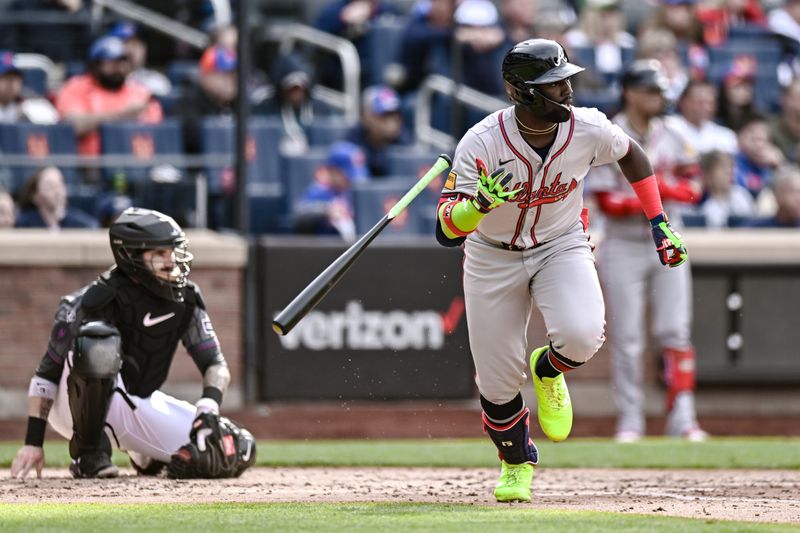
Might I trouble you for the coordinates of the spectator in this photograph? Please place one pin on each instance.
(757, 157)
(425, 45)
(736, 93)
(787, 198)
(724, 198)
(482, 43)
(136, 52)
(293, 102)
(785, 20)
(8, 211)
(326, 208)
(214, 94)
(381, 127)
(601, 31)
(697, 106)
(352, 20)
(786, 126)
(661, 45)
(717, 17)
(43, 203)
(678, 18)
(520, 18)
(104, 94)
(110, 205)
(15, 106)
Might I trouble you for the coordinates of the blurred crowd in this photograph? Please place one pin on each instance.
(730, 70)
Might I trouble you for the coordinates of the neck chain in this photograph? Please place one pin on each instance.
(527, 129)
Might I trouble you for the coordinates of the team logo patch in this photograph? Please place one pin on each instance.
(208, 329)
(450, 184)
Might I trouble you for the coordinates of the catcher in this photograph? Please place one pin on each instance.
(110, 350)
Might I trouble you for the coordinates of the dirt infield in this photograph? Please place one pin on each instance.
(751, 495)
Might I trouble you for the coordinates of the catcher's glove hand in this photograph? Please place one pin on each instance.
(210, 453)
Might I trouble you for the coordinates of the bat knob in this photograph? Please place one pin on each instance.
(277, 328)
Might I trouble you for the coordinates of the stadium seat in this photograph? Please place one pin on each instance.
(606, 100)
(38, 142)
(373, 199)
(143, 141)
(411, 161)
(327, 130)
(384, 39)
(299, 171)
(182, 72)
(218, 137)
(267, 209)
(35, 79)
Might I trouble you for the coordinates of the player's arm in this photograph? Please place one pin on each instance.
(41, 396)
(638, 171)
(459, 216)
(203, 346)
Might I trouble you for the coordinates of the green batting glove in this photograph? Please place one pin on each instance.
(491, 191)
(669, 244)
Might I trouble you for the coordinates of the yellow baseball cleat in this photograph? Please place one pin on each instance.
(555, 407)
(515, 483)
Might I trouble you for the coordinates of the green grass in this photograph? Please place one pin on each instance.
(366, 517)
(650, 453)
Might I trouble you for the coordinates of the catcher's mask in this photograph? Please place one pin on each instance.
(138, 230)
(537, 62)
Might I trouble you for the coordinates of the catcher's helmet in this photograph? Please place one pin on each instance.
(645, 73)
(137, 230)
(537, 62)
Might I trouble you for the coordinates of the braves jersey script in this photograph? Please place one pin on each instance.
(551, 199)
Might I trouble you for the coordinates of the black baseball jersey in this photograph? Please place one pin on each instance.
(150, 327)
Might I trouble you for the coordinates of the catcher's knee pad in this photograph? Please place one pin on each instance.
(95, 364)
(679, 372)
(513, 440)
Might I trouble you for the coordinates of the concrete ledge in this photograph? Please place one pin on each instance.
(69, 248)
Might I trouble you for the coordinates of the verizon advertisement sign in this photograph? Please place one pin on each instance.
(393, 328)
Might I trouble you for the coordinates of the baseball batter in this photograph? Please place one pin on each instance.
(631, 277)
(514, 200)
(110, 350)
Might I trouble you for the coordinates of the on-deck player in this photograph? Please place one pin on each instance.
(629, 274)
(514, 199)
(110, 350)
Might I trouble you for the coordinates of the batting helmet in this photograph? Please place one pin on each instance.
(137, 230)
(537, 62)
(645, 73)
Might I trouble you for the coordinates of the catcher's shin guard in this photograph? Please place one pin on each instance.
(679, 373)
(513, 440)
(95, 365)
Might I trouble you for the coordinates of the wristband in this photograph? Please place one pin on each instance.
(35, 433)
(647, 191)
(213, 393)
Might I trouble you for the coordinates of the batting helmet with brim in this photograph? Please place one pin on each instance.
(537, 62)
(645, 74)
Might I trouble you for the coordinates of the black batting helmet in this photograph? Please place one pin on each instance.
(537, 62)
(645, 73)
(137, 230)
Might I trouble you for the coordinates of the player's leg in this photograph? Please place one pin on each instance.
(150, 429)
(566, 289)
(498, 306)
(624, 266)
(95, 365)
(672, 321)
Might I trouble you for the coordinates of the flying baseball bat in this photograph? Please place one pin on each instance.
(317, 289)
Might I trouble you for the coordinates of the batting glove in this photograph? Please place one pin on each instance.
(491, 191)
(669, 244)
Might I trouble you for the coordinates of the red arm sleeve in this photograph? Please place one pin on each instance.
(616, 204)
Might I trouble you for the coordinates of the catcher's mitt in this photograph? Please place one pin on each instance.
(217, 448)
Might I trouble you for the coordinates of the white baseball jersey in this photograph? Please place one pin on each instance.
(551, 200)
